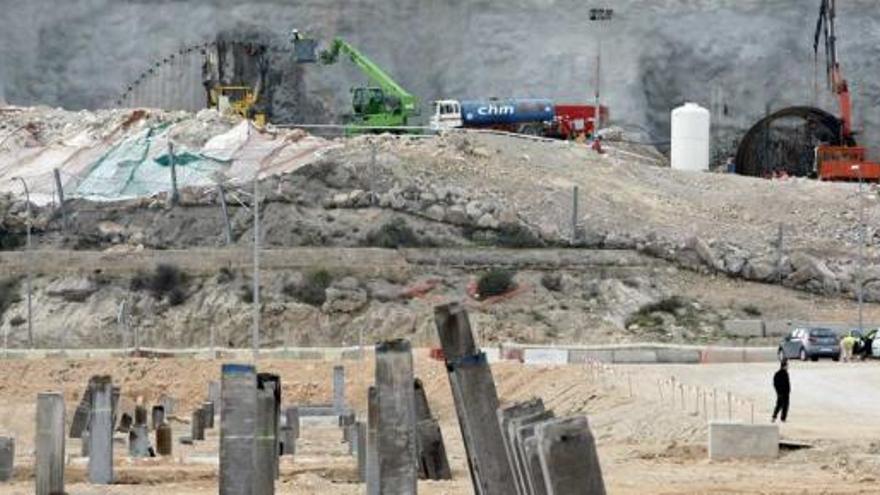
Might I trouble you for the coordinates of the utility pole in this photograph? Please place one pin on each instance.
(862, 228)
(255, 338)
(599, 16)
(30, 264)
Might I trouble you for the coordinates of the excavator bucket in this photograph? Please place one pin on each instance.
(305, 50)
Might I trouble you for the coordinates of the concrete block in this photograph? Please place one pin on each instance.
(493, 354)
(760, 355)
(582, 356)
(635, 356)
(729, 441)
(673, 355)
(545, 356)
(778, 328)
(723, 355)
(744, 328)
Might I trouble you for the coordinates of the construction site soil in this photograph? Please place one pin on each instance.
(649, 255)
(646, 445)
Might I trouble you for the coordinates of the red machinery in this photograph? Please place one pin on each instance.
(846, 161)
(575, 120)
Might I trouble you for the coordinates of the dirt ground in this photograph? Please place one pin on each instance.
(646, 444)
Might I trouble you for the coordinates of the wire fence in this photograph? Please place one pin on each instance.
(675, 394)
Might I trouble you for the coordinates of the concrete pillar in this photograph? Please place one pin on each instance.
(101, 432)
(140, 415)
(272, 382)
(197, 425)
(345, 423)
(158, 416)
(214, 393)
(529, 467)
(237, 428)
(567, 451)
(264, 453)
(505, 416)
(476, 403)
(361, 450)
(84, 444)
(433, 463)
(292, 415)
(287, 438)
(352, 438)
(534, 473)
(164, 439)
(169, 403)
(125, 423)
(338, 390)
(398, 474)
(7, 458)
(50, 444)
(139, 441)
(114, 404)
(208, 411)
(423, 410)
(372, 441)
(81, 417)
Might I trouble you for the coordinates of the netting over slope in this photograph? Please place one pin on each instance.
(139, 165)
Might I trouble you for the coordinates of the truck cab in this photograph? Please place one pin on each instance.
(446, 115)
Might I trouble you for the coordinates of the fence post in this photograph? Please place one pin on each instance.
(225, 209)
(171, 160)
(60, 191)
(574, 215)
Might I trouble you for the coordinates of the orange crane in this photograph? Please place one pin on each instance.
(846, 160)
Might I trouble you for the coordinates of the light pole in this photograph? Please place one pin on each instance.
(599, 16)
(27, 197)
(255, 338)
(862, 228)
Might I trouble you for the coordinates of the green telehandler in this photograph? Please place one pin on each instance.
(384, 106)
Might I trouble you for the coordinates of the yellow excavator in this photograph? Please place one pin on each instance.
(237, 100)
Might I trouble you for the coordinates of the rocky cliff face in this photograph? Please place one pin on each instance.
(751, 54)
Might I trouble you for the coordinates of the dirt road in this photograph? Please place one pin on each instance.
(647, 445)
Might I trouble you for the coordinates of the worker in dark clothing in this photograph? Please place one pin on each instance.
(783, 390)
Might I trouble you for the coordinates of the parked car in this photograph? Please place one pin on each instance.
(810, 343)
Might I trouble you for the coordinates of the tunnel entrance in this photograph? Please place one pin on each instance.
(785, 141)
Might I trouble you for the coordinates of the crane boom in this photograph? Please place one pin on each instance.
(371, 70)
(825, 27)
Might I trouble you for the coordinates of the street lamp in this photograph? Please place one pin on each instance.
(861, 281)
(27, 196)
(599, 15)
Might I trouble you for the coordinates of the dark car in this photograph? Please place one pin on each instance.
(810, 343)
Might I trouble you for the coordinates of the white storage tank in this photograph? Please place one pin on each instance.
(690, 138)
